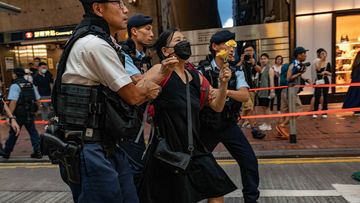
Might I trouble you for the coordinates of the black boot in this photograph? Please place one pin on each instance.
(36, 155)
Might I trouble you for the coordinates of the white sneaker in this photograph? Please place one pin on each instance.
(268, 127)
(324, 116)
(357, 114)
(263, 127)
(314, 116)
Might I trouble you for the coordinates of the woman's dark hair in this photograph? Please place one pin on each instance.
(163, 41)
(279, 56)
(319, 51)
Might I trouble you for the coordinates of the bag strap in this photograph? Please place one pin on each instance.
(143, 123)
(189, 118)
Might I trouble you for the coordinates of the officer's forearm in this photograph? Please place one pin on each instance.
(7, 110)
(218, 103)
(241, 95)
(12, 106)
(132, 94)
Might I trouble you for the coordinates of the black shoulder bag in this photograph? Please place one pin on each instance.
(178, 162)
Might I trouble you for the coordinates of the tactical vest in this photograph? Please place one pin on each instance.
(144, 62)
(100, 114)
(26, 104)
(231, 112)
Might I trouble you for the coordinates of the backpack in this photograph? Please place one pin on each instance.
(283, 75)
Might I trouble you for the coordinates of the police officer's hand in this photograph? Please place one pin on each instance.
(225, 73)
(168, 65)
(15, 126)
(153, 90)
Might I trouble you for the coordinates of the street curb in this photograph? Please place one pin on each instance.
(23, 159)
(300, 153)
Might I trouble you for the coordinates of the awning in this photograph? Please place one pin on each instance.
(4, 7)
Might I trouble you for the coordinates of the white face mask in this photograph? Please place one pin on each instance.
(43, 71)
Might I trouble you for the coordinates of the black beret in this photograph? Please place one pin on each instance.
(19, 72)
(139, 20)
(222, 36)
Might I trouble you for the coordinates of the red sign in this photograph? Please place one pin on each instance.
(29, 35)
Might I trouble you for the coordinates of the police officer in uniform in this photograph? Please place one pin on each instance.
(140, 37)
(95, 102)
(24, 102)
(136, 63)
(222, 127)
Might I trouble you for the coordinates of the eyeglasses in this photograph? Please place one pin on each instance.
(119, 2)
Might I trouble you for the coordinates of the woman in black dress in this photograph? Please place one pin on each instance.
(204, 179)
(352, 99)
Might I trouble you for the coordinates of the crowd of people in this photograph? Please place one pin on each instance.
(106, 89)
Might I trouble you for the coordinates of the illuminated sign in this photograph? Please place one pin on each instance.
(51, 33)
(29, 35)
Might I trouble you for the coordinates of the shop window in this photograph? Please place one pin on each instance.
(26, 54)
(347, 46)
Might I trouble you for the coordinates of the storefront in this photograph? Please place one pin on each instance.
(18, 49)
(332, 25)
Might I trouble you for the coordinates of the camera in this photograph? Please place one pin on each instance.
(302, 66)
(247, 57)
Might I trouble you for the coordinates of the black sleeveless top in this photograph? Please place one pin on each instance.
(319, 77)
(205, 177)
(171, 111)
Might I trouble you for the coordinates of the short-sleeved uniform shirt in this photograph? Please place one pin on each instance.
(15, 90)
(92, 61)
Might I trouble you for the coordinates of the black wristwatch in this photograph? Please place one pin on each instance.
(11, 118)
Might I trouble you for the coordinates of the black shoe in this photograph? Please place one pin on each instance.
(6, 156)
(2, 153)
(257, 134)
(36, 155)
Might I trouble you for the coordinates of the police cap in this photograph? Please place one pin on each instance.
(139, 20)
(222, 36)
(19, 72)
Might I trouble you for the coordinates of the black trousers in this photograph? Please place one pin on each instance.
(278, 100)
(240, 149)
(321, 91)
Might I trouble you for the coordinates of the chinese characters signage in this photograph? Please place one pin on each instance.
(47, 33)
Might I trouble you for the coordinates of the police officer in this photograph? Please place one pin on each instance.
(94, 99)
(140, 37)
(24, 102)
(222, 127)
(12, 121)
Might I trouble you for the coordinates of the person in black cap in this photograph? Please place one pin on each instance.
(296, 69)
(222, 127)
(136, 64)
(141, 34)
(24, 102)
(96, 102)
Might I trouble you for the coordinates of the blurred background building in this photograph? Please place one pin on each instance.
(40, 28)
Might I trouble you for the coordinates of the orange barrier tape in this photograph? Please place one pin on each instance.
(40, 122)
(324, 85)
(301, 113)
